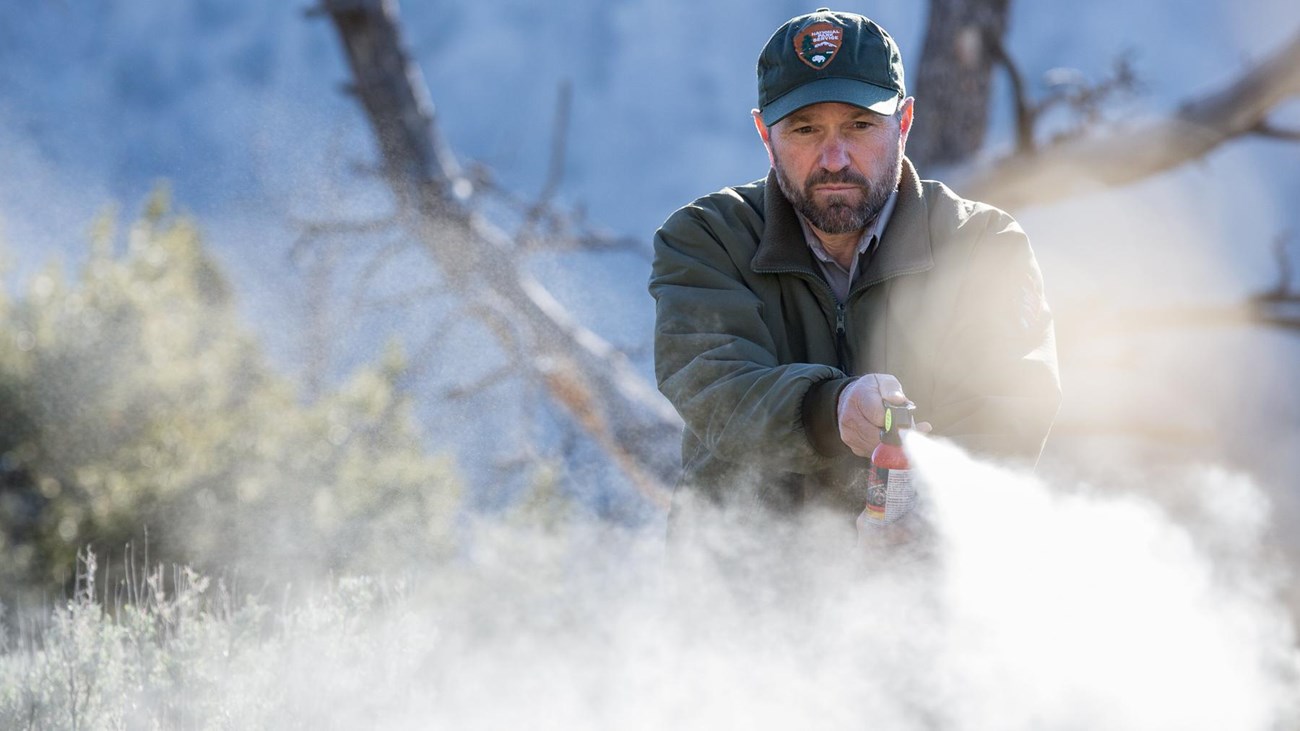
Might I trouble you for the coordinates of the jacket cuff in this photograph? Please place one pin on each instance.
(819, 418)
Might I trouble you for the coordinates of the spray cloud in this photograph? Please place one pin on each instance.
(1033, 607)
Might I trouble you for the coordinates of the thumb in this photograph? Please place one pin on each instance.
(891, 390)
(894, 397)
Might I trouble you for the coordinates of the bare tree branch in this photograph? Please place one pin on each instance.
(1268, 309)
(1132, 321)
(593, 242)
(373, 267)
(559, 135)
(422, 360)
(1280, 305)
(545, 228)
(583, 373)
(482, 384)
(393, 92)
(1026, 113)
(1279, 311)
(1285, 272)
(1087, 100)
(344, 227)
(399, 301)
(1086, 163)
(539, 215)
(317, 335)
(1267, 129)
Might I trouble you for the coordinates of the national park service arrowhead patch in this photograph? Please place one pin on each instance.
(817, 44)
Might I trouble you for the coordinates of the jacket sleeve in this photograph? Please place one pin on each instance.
(997, 386)
(715, 358)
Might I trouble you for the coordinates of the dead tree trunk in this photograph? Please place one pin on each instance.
(592, 380)
(953, 80)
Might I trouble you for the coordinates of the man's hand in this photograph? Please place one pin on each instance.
(861, 411)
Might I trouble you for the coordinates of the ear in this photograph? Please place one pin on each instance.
(904, 121)
(764, 133)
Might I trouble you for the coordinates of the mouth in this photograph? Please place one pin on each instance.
(837, 188)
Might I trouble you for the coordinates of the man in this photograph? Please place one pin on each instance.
(790, 309)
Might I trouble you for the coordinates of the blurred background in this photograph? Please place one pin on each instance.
(217, 327)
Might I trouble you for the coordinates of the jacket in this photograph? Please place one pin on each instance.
(753, 348)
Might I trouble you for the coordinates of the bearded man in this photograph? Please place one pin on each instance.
(790, 309)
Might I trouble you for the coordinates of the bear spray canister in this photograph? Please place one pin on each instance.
(890, 493)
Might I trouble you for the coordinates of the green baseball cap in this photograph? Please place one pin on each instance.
(827, 56)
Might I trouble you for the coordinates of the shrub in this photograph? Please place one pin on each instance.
(133, 400)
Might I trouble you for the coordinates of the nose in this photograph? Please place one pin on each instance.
(834, 154)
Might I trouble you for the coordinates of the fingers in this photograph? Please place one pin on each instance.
(867, 409)
(861, 410)
(858, 428)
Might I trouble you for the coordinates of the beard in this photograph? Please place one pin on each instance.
(839, 215)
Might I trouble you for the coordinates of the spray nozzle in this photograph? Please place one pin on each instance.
(898, 416)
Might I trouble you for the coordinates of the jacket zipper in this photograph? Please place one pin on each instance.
(841, 317)
(842, 339)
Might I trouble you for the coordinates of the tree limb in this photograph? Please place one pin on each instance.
(1277, 310)
(1285, 272)
(1268, 308)
(559, 135)
(583, 373)
(1267, 129)
(1026, 113)
(1199, 126)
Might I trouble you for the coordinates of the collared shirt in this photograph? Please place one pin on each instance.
(841, 279)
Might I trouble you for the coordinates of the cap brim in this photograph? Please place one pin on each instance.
(849, 91)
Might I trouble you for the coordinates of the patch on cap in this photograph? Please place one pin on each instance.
(817, 44)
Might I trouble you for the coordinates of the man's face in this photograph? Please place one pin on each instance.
(837, 163)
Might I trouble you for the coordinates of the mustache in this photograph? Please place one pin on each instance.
(841, 177)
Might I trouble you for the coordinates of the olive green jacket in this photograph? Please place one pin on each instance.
(753, 349)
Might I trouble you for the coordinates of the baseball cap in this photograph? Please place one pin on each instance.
(827, 56)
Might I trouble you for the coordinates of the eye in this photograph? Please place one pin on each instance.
(804, 130)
